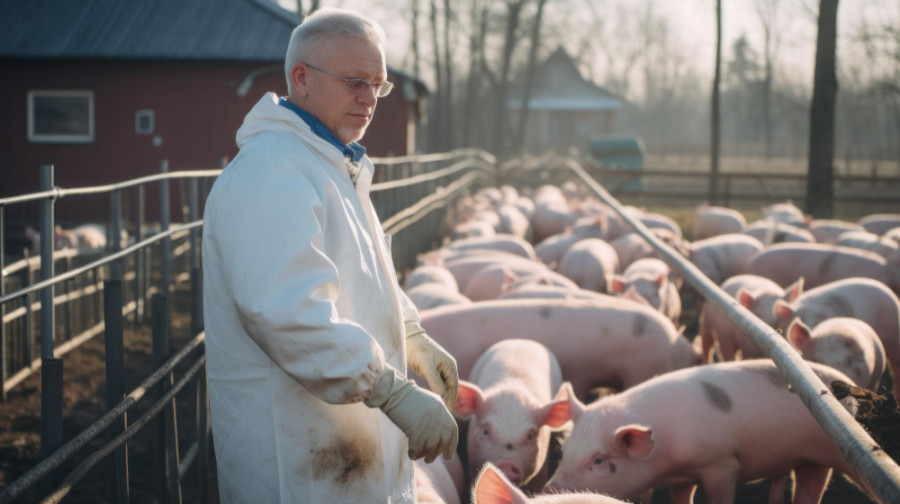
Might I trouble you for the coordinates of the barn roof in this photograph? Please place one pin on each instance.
(145, 29)
(558, 85)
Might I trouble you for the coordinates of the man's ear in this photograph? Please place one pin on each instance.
(299, 74)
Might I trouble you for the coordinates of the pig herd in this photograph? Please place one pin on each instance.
(545, 297)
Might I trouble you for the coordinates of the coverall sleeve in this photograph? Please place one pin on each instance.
(270, 236)
(410, 312)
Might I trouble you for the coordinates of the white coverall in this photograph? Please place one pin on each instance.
(302, 311)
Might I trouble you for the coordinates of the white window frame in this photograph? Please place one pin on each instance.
(42, 138)
(151, 115)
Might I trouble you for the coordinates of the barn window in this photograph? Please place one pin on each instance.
(61, 116)
(144, 122)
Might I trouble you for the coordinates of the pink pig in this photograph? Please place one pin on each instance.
(827, 230)
(769, 232)
(491, 487)
(649, 277)
(490, 281)
(820, 264)
(846, 344)
(860, 298)
(755, 293)
(509, 403)
(714, 425)
(588, 263)
(430, 273)
(431, 295)
(880, 223)
(721, 257)
(712, 221)
(611, 342)
(501, 242)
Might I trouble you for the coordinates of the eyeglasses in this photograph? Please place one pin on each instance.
(381, 89)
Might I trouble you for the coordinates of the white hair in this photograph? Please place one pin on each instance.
(309, 39)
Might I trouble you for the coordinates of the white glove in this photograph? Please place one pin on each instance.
(419, 413)
(430, 361)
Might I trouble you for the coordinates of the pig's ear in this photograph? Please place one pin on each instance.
(794, 290)
(634, 440)
(745, 298)
(492, 488)
(554, 414)
(616, 284)
(798, 334)
(661, 280)
(570, 408)
(468, 399)
(782, 311)
(509, 277)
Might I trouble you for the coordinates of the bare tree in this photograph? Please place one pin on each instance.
(448, 80)
(437, 125)
(478, 20)
(715, 119)
(820, 174)
(501, 122)
(767, 10)
(529, 75)
(414, 42)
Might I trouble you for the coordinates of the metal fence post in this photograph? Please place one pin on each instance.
(3, 355)
(115, 233)
(203, 434)
(51, 375)
(166, 446)
(166, 252)
(115, 387)
(140, 277)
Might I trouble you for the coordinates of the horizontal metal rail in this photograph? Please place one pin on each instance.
(411, 214)
(106, 260)
(425, 177)
(60, 192)
(18, 487)
(432, 158)
(878, 472)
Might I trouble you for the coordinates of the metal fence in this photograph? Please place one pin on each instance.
(411, 194)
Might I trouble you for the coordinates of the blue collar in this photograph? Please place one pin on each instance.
(353, 151)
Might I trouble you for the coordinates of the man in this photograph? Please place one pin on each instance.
(308, 332)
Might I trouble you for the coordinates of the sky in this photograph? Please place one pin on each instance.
(692, 23)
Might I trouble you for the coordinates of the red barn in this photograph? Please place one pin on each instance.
(106, 90)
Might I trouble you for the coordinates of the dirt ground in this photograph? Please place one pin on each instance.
(84, 402)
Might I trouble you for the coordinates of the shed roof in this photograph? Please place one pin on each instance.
(145, 29)
(558, 85)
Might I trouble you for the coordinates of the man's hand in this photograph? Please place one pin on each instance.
(419, 413)
(430, 361)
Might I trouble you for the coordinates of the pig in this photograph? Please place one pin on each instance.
(501, 242)
(489, 282)
(609, 342)
(758, 295)
(827, 230)
(439, 482)
(519, 290)
(508, 400)
(880, 223)
(551, 249)
(820, 264)
(588, 263)
(721, 257)
(649, 277)
(431, 295)
(846, 344)
(510, 194)
(702, 425)
(62, 238)
(786, 213)
(464, 267)
(472, 229)
(885, 247)
(893, 234)
(513, 222)
(430, 273)
(712, 221)
(769, 232)
(526, 206)
(631, 247)
(659, 221)
(491, 487)
(861, 298)
(548, 220)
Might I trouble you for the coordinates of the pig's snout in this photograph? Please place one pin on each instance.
(511, 470)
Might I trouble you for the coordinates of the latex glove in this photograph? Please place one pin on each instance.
(430, 361)
(419, 413)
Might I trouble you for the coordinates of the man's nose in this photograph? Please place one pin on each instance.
(368, 96)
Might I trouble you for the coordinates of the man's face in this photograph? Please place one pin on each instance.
(346, 113)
